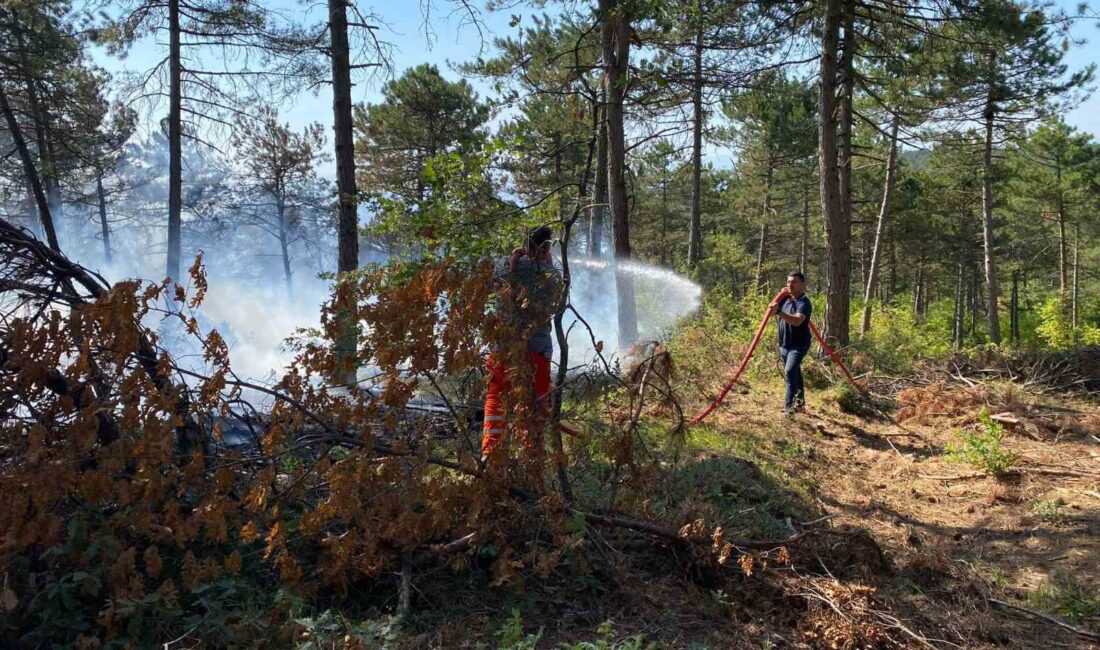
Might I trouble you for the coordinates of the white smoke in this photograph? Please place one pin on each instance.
(248, 302)
(662, 298)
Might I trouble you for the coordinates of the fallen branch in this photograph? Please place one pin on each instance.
(1015, 471)
(1049, 619)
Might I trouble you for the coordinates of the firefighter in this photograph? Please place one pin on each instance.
(530, 291)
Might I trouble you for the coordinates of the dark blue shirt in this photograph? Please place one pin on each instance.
(791, 336)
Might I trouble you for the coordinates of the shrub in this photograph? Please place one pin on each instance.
(982, 448)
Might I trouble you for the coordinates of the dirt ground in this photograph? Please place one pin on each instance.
(897, 545)
(964, 548)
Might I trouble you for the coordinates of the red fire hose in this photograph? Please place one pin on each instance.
(752, 348)
(834, 357)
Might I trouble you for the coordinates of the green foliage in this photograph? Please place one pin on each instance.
(727, 268)
(714, 338)
(459, 204)
(512, 637)
(1047, 509)
(990, 572)
(607, 640)
(792, 450)
(1055, 326)
(421, 116)
(982, 448)
(897, 338)
(849, 400)
(1065, 595)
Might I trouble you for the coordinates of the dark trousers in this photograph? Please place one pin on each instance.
(792, 372)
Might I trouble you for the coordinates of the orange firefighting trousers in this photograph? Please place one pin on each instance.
(496, 421)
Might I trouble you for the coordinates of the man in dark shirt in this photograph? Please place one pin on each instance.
(793, 314)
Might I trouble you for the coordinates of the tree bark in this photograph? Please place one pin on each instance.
(47, 160)
(101, 197)
(280, 206)
(599, 195)
(837, 230)
(175, 151)
(957, 317)
(29, 171)
(1014, 309)
(804, 252)
(1076, 267)
(615, 41)
(1060, 209)
(918, 288)
(695, 241)
(664, 222)
(987, 219)
(893, 287)
(52, 184)
(761, 256)
(974, 299)
(348, 227)
(762, 253)
(880, 228)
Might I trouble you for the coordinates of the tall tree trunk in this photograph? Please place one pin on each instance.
(880, 228)
(599, 197)
(1014, 308)
(957, 316)
(987, 219)
(918, 290)
(104, 227)
(893, 287)
(866, 244)
(664, 222)
(563, 206)
(1063, 256)
(695, 240)
(280, 207)
(29, 170)
(804, 249)
(762, 252)
(348, 226)
(837, 230)
(53, 185)
(974, 300)
(615, 41)
(175, 151)
(47, 160)
(759, 284)
(1076, 267)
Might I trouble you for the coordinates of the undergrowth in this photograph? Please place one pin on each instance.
(982, 447)
(512, 637)
(1064, 594)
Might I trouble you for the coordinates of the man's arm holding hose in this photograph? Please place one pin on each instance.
(794, 319)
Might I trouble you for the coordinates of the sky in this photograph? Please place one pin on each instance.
(451, 40)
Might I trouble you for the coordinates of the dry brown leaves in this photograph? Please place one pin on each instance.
(924, 404)
(960, 406)
(841, 616)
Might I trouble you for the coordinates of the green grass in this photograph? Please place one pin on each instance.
(989, 572)
(1065, 595)
(1048, 510)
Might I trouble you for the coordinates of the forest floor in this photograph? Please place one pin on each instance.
(967, 560)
